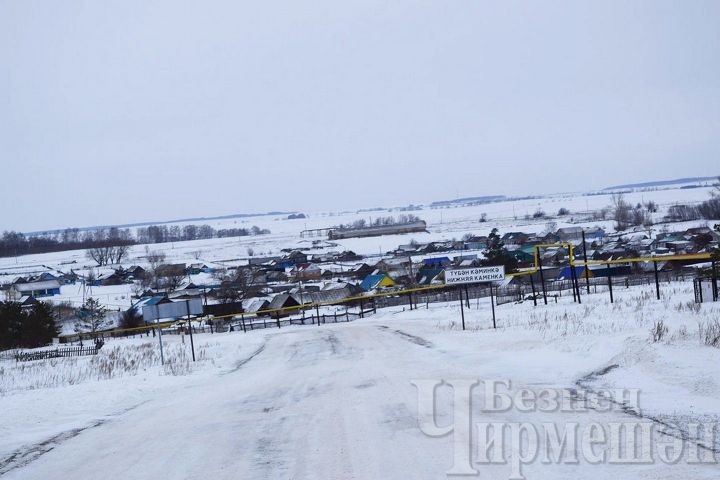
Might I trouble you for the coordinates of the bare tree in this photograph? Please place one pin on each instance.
(621, 212)
(171, 281)
(106, 254)
(641, 217)
(151, 279)
(154, 257)
(90, 277)
(235, 288)
(119, 252)
(98, 254)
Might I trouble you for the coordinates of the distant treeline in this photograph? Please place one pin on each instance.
(381, 221)
(16, 243)
(709, 210)
(176, 233)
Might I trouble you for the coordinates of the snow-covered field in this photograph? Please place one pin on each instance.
(337, 401)
(443, 224)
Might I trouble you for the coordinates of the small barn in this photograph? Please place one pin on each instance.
(285, 301)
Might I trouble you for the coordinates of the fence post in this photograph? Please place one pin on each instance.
(532, 287)
(192, 344)
(609, 274)
(362, 315)
(542, 279)
(462, 311)
(657, 280)
(317, 311)
(714, 282)
(577, 285)
(492, 304)
(162, 355)
(699, 288)
(242, 320)
(587, 274)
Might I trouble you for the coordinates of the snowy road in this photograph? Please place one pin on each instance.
(331, 402)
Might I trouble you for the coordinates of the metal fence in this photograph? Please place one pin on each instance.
(522, 289)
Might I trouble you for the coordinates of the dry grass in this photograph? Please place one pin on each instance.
(635, 312)
(112, 362)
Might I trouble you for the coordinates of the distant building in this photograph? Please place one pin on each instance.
(42, 288)
(375, 231)
(515, 238)
(437, 262)
(170, 270)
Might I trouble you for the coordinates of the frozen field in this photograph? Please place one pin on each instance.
(337, 402)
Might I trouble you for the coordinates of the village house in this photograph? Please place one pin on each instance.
(377, 281)
(34, 287)
(515, 238)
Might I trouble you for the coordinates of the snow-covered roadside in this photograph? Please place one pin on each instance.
(678, 376)
(343, 392)
(41, 399)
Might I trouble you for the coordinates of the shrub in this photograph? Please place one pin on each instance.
(658, 331)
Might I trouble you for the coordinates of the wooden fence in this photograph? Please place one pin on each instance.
(58, 352)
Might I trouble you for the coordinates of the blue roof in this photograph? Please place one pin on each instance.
(436, 260)
(566, 273)
(371, 282)
(147, 301)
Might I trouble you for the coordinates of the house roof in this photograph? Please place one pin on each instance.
(426, 275)
(255, 304)
(569, 230)
(149, 301)
(371, 281)
(44, 285)
(283, 300)
(566, 273)
(436, 260)
(334, 295)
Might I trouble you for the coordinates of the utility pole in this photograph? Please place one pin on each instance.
(157, 320)
(542, 278)
(587, 274)
(492, 304)
(192, 344)
(462, 311)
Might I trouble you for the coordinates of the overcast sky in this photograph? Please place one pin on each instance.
(123, 111)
